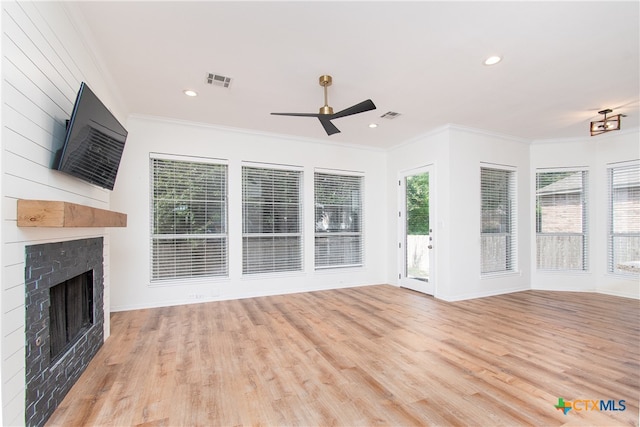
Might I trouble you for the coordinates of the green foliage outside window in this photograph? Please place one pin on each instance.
(418, 204)
(189, 198)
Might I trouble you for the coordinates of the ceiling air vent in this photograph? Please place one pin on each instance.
(390, 115)
(218, 80)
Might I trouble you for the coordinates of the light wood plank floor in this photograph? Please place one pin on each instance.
(375, 355)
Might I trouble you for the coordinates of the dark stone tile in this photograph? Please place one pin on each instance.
(47, 265)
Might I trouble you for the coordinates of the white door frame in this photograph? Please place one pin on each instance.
(427, 287)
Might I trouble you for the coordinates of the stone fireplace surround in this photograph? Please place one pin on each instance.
(48, 381)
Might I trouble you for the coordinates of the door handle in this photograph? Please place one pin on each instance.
(430, 247)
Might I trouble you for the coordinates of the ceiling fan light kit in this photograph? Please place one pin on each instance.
(607, 124)
(326, 114)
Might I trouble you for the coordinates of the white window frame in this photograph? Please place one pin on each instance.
(552, 246)
(623, 220)
(183, 265)
(272, 244)
(495, 260)
(338, 242)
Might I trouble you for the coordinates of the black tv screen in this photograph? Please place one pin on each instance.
(93, 143)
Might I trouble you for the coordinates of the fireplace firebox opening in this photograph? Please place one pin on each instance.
(70, 312)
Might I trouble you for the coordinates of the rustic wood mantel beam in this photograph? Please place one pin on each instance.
(51, 213)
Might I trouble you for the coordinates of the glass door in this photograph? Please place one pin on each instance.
(416, 231)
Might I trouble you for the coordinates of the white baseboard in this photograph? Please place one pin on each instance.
(616, 294)
(473, 295)
(227, 297)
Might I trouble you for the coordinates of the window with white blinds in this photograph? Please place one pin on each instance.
(561, 220)
(498, 236)
(338, 220)
(188, 219)
(624, 219)
(271, 220)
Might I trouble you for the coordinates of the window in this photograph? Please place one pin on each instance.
(271, 220)
(498, 220)
(188, 218)
(561, 220)
(338, 220)
(624, 219)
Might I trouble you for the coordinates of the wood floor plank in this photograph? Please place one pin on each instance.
(376, 355)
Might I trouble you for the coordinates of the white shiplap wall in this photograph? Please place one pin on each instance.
(45, 56)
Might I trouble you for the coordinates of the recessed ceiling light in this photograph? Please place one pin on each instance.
(492, 60)
(190, 93)
(373, 125)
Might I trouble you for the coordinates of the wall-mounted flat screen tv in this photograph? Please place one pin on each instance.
(94, 142)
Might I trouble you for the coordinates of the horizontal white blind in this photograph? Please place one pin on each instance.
(498, 221)
(624, 219)
(338, 220)
(562, 220)
(188, 219)
(271, 220)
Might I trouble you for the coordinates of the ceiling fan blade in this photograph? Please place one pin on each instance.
(358, 108)
(328, 126)
(326, 112)
(296, 114)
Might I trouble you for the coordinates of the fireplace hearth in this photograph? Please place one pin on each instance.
(64, 320)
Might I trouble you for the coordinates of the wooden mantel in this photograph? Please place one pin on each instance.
(51, 213)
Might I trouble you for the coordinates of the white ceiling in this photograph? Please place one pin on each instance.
(563, 62)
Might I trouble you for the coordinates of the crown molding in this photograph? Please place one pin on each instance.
(606, 135)
(258, 133)
(455, 127)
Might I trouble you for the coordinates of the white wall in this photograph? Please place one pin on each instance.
(471, 149)
(130, 248)
(44, 59)
(595, 154)
(457, 154)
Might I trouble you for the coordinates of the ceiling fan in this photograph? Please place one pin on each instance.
(326, 113)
